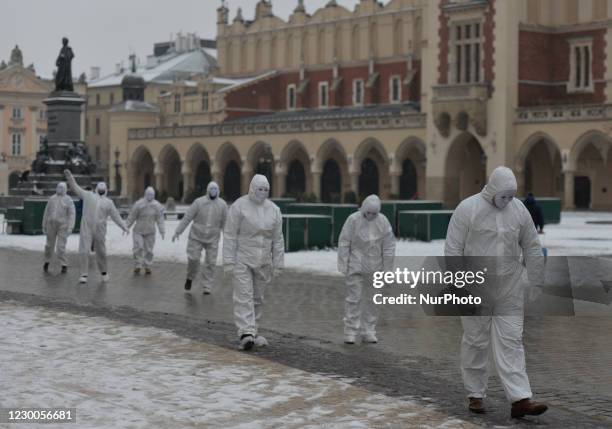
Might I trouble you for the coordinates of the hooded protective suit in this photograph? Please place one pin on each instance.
(58, 223)
(147, 212)
(97, 208)
(253, 251)
(208, 214)
(366, 244)
(493, 224)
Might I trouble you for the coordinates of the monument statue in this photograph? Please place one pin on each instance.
(16, 56)
(63, 77)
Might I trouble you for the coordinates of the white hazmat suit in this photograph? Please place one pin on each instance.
(147, 213)
(366, 244)
(208, 214)
(253, 251)
(58, 223)
(97, 208)
(494, 224)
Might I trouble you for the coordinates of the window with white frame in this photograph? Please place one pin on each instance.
(17, 113)
(291, 97)
(205, 102)
(16, 147)
(581, 65)
(323, 94)
(41, 140)
(358, 97)
(395, 89)
(42, 114)
(466, 52)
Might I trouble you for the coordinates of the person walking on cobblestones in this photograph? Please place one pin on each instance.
(253, 253)
(97, 208)
(495, 224)
(208, 214)
(57, 224)
(146, 213)
(366, 245)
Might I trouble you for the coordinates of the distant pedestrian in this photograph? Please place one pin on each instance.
(535, 211)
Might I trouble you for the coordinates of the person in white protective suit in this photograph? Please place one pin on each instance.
(366, 244)
(208, 214)
(97, 208)
(495, 224)
(57, 224)
(253, 252)
(146, 213)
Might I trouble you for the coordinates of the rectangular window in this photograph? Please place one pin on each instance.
(205, 102)
(466, 52)
(42, 114)
(97, 99)
(97, 126)
(112, 98)
(323, 94)
(395, 89)
(358, 92)
(17, 114)
(581, 58)
(16, 147)
(291, 97)
(177, 103)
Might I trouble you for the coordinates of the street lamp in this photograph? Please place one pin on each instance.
(117, 174)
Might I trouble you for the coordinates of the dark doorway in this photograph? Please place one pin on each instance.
(582, 192)
(368, 179)
(202, 178)
(408, 180)
(296, 178)
(14, 180)
(265, 168)
(331, 182)
(231, 181)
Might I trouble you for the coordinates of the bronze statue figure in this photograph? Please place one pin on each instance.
(63, 77)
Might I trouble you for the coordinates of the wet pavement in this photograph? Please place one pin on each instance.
(569, 359)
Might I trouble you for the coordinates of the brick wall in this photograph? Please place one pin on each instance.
(544, 60)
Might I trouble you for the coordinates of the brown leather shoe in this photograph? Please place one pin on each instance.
(527, 407)
(477, 406)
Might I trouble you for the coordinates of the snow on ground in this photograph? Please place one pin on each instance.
(119, 376)
(573, 237)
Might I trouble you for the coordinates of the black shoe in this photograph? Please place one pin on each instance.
(188, 284)
(246, 342)
(64, 269)
(46, 267)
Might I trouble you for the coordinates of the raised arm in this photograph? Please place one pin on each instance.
(82, 193)
(191, 213)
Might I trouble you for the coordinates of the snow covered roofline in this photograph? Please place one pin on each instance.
(239, 83)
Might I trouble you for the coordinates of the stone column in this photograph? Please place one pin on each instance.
(159, 177)
(355, 182)
(280, 175)
(3, 135)
(568, 191)
(188, 185)
(316, 183)
(216, 175)
(395, 182)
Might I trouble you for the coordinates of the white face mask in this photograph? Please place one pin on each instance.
(213, 193)
(261, 193)
(149, 197)
(370, 215)
(502, 199)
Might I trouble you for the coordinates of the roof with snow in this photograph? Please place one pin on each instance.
(166, 68)
(135, 106)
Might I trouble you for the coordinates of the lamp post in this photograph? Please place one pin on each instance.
(117, 174)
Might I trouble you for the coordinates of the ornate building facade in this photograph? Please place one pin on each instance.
(406, 98)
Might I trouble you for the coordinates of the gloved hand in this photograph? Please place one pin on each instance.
(277, 271)
(175, 237)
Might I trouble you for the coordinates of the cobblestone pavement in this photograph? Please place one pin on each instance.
(568, 358)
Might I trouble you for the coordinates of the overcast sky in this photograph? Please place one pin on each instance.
(104, 32)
